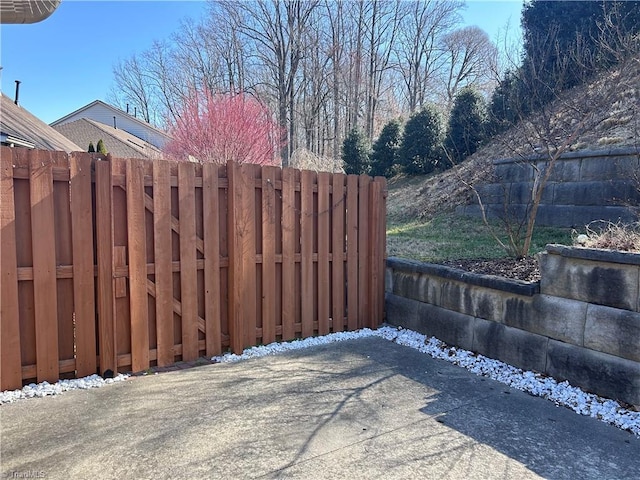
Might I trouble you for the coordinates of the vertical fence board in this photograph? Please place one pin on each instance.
(381, 255)
(337, 249)
(352, 252)
(83, 280)
(297, 293)
(162, 260)
(137, 250)
(64, 256)
(242, 255)
(364, 279)
(306, 232)
(223, 210)
(210, 186)
(188, 264)
(44, 266)
(382, 234)
(24, 258)
(150, 263)
(104, 246)
(247, 226)
(288, 254)
(11, 364)
(268, 255)
(324, 239)
(278, 251)
(236, 307)
(122, 304)
(376, 269)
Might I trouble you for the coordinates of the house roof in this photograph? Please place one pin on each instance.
(116, 111)
(118, 142)
(26, 11)
(20, 127)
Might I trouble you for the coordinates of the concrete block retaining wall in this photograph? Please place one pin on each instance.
(584, 186)
(580, 323)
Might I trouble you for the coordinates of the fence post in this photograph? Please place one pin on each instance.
(104, 246)
(10, 361)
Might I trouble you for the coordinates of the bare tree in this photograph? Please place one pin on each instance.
(153, 82)
(470, 59)
(133, 87)
(335, 21)
(221, 35)
(383, 28)
(418, 51)
(197, 55)
(276, 29)
(356, 28)
(314, 87)
(167, 78)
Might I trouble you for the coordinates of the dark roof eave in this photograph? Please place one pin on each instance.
(26, 11)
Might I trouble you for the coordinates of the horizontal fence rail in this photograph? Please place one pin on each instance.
(124, 264)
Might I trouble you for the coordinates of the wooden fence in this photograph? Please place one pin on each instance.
(122, 264)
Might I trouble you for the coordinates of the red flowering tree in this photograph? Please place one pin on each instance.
(218, 128)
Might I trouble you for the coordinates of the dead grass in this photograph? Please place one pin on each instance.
(610, 140)
(611, 236)
(304, 159)
(425, 196)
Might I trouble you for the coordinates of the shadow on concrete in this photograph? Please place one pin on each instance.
(366, 408)
(552, 441)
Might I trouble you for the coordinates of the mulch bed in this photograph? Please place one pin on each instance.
(525, 269)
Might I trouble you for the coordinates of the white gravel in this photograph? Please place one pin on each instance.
(45, 389)
(561, 393)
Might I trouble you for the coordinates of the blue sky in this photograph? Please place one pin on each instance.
(66, 61)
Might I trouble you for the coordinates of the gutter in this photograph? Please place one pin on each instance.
(12, 141)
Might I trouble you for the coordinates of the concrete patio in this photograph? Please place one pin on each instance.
(365, 408)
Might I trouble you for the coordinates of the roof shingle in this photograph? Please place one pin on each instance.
(117, 142)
